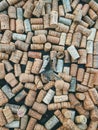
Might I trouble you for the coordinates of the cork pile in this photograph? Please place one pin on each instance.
(49, 65)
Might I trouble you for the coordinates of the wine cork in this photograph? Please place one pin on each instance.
(59, 67)
(83, 42)
(28, 67)
(40, 39)
(3, 5)
(65, 21)
(31, 123)
(37, 46)
(85, 9)
(94, 95)
(10, 78)
(73, 52)
(83, 30)
(73, 85)
(33, 54)
(92, 14)
(78, 16)
(37, 27)
(6, 38)
(51, 122)
(21, 37)
(48, 8)
(20, 96)
(61, 10)
(46, 21)
(82, 126)
(62, 28)
(80, 96)
(12, 12)
(27, 26)
(89, 60)
(36, 20)
(74, 68)
(24, 78)
(57, 48)
(30, 98)
(39, 107)
(62, 39)
(93, 5)
(36, 66)
(67, 6)
(8, 92)
(83, 55)
(7, 48)
(4, 22)
(2, 119)
(34, 114)
(53, 19)
(39, 127)
(30, 86)
(38, 32)
(88, 103)
(8, 114)
(3, 98)
(19, 26)
(91, 81)
(80, 74)
(17, 88)
(29, 37)
(69, 114)
(17, 70)
(28, 10)
(38, 8)
(81, 88)
(24, 121)
(74, 4)
(54, 33)
(68, 39)
(50, 94)
(61, 98)
(19, 13)
(81, 119)
(24, 58)
(40, 96)
(88, 20)
(77, 36)
(47, 46)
